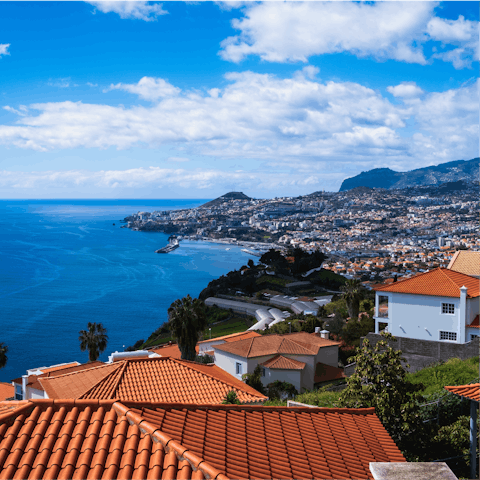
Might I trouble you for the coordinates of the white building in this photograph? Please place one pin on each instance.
(440, 305)
(293, 358)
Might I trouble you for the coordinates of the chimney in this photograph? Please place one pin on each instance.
(325, 334)
(317, 330)
(462, 314)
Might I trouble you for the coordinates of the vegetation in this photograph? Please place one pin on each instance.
(280, 390)
(352, 294)
(231, 398)
(3, 354)
(381, 381)
(94, 340)
(187, 320)
(204, 359)
(254, 379)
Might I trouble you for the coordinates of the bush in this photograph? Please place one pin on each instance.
(231, 398)
(280, 390)
(254, 379)
(204, 359)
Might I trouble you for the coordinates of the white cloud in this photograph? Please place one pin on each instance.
(148, 88)
(406, 90)
(90, 84)
(265, 118)
(178, 159)
(295, 31)
(4, 49)
(140, 10)
(62, 83)
(158, 178)
(22, 110)
(291, 31)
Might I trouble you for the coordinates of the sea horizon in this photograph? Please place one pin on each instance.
(63, 264)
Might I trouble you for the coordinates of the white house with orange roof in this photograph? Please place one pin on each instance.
(300, 358)
(441, 305)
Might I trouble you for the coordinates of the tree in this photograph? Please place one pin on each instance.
(94, 340)
(231, 398)
(3, 354)
(187, 320)
(380, 381)
(353, 293)
(254, 379)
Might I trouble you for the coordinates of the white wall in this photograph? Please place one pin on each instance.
(419, 316)
(227, 361)
(207, 346)
(291, 376)
(34, 393)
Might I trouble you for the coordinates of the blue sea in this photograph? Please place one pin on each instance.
(63, 264)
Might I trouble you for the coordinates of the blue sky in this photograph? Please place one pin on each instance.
(191, 100)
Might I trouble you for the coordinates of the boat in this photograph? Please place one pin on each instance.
(168, 248)
(227, 249)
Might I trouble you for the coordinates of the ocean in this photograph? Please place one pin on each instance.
(63, 264)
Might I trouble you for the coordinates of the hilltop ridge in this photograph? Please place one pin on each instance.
(225, 198)
(466, 170)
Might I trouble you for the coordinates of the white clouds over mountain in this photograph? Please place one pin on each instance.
(294, 31)
(139, 10)
(263, 117)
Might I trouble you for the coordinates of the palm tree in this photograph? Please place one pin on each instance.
(94, 340)
(3, 354)
(187, 320)
(353, 293)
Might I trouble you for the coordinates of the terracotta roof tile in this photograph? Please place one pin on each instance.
(153, 380)
(76, 383)
(465, 261)
(283, 363)
(233, 337)
(469, 391)
(326, 373)
(300, 343)
(439, 282)
(171, 351)
(7, 390)
(475, 323)
(107, 439)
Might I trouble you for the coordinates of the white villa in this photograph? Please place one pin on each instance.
(301, 358)
(440, 305)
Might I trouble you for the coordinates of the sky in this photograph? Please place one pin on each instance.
(196, 99)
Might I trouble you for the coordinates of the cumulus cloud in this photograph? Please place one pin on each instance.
(266, 118)
(406, 90)
(4, 49)
(294, 31)
(140, 10)
(148, 88)
(291, 31)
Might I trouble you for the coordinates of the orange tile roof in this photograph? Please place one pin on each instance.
(300, 343)
(233, 337)
(59, 367)
(171, 351)
(161, 379)
(8, 406)
(7, 390)
(475, 323)
(75, 384)
(469, 391)
(327, 373)
(440, 282)
(283, 363)
(106, 439)
(465, 261)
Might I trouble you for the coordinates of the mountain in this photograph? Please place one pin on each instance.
(466, 170)
(225, 198)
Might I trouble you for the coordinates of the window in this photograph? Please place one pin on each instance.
(472, 336)
(382, 306)
(18, 392)
(263, 372)
(238, 368)
(448, 308)
(448, 336)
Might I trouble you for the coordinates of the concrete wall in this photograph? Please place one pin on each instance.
(328, 355)
(421, 353)
(291, 376)
(34, 393)
(420, 316)
(207, 346)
